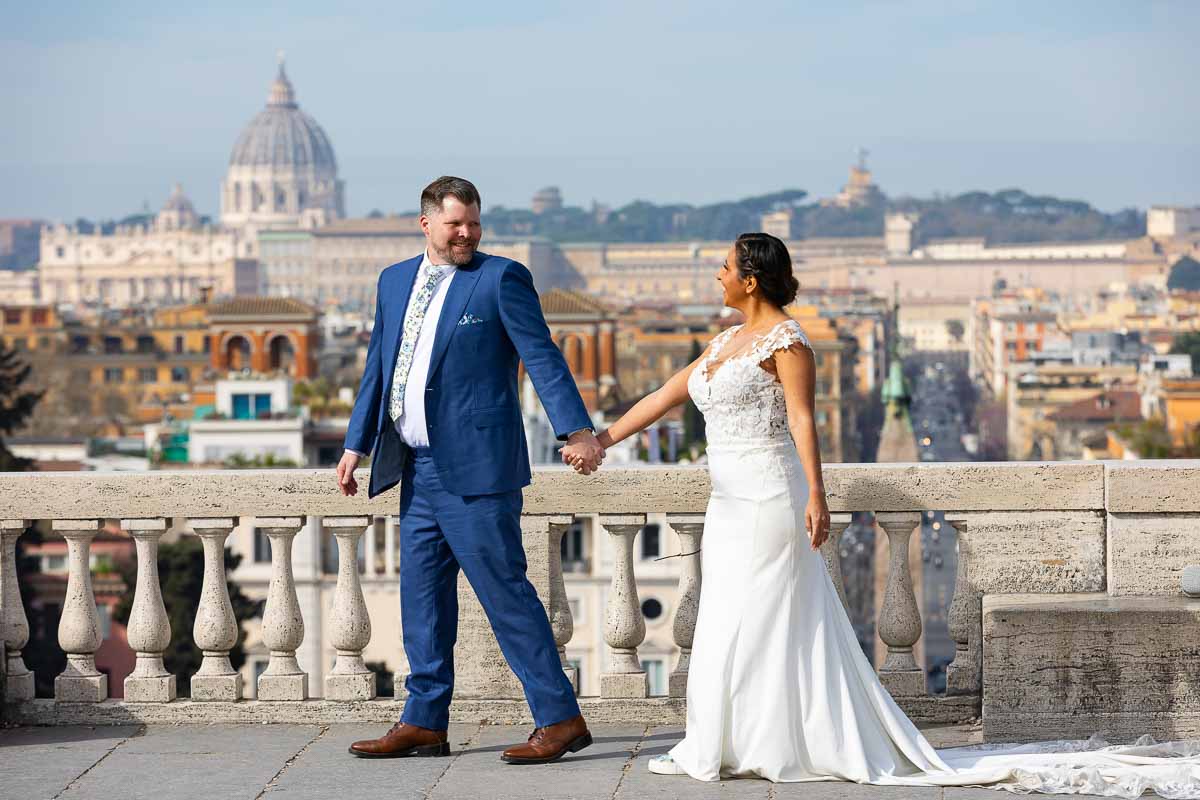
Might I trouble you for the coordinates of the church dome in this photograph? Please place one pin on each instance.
(281, 135)
(282, 172)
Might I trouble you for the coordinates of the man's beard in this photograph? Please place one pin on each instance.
(458, 252)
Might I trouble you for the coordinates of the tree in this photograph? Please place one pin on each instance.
(1189, 343)
(41, 654)
(16, 405)
(181, 570)
(955, 328)
(693, 420)
(1185, 275)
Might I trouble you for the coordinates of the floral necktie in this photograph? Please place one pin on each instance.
(413, 319)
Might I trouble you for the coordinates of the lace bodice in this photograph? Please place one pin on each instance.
(740, 400)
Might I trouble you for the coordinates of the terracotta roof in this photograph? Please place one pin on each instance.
(260, 306)
(1114, 406)
(565, 301)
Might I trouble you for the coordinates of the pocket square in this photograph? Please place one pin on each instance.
(470, 319)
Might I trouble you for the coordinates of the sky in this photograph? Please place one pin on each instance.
(106, 105)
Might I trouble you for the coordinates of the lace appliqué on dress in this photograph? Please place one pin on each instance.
(740, 400)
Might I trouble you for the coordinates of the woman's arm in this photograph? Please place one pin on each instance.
(797, 370)
(652, 406)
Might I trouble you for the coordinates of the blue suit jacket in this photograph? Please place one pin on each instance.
(471, 396)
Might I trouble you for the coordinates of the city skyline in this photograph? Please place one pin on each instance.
(605, 103)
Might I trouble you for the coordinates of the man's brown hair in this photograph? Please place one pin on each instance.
(433, 195)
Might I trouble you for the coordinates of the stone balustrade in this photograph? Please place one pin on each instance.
(1121, 528)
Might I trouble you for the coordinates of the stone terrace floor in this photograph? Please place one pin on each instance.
(213, 762)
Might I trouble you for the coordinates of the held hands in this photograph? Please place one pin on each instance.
(816, 519)
(345, 474)
(583, 452)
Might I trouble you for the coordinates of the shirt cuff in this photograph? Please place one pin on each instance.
(360, 455)
(589, 429)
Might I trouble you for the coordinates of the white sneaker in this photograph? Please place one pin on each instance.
(665, 765)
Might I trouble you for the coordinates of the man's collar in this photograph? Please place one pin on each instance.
(426, 262)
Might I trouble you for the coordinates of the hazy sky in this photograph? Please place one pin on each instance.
(105, 105)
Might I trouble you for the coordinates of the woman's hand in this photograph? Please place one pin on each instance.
(816, 519)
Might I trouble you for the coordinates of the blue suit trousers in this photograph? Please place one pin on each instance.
(481, 534)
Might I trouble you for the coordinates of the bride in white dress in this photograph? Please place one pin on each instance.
(778, 686)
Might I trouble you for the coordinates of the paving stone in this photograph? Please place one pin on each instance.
(591, 773)
(41, 762)
(640, 783)
(194, 761)
(327, 770)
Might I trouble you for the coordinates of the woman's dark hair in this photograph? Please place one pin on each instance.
(767, 259)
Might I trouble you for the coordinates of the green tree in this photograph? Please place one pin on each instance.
(41, 654)
(1189, 343)
(1185, 275)
(16, 405)
(181, 572)
(1148, 438)
(693, 420)
(955, 328)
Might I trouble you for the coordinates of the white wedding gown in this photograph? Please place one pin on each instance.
(778, 686)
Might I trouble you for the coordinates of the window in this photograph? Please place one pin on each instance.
(822, 389)
(54, 563)
(113, 374)
(207, 345)
(12, 316)
(656, 673)
(262, 547)
(651, 541)
(179, 375)
(112, 344)
(822, 417)
(574, 603)
(60, 252)
(178, 344)
(147, 375)
(572, 545)
(20, 343)
(652, 609)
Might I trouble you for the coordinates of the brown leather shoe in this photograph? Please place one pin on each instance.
(403, 740)
(551, 743)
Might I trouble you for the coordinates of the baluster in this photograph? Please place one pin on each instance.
(900, 618)
(560, 608)
(216, 628)
(149, 630)
(690, 529)
(832, 551)
(624, 626)
(14, 626)
(79, 628)
(282, 624)
(389, 545)
(368, 550)
(349, 621)
(964, 674)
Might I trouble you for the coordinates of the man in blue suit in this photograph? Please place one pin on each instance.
(438, 405)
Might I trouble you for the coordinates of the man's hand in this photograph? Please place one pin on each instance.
(345, 474)
(583, 452)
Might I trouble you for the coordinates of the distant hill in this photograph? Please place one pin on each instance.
(1010, 215)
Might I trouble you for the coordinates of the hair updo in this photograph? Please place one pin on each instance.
(767, 259)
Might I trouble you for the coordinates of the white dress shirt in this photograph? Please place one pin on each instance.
(411, 424)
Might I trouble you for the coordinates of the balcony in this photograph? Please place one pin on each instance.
(1112, 536)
